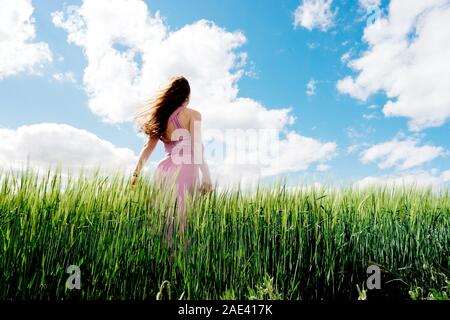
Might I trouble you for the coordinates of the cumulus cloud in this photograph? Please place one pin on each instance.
(407, 59)
(314, 14)
(401, 154)
(420, 180)
(50, 144)
(131, 52)
(297, 153)
(19, 52)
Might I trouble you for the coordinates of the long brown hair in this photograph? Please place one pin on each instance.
(152, 118)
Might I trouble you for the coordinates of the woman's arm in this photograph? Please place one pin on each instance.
(198, 149)
(146, 151)
(204, 168)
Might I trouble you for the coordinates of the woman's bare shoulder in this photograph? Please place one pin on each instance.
(193, 113)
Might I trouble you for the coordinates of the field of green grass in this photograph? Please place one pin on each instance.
(273, 243)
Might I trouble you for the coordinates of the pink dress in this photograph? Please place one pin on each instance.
(177, 170)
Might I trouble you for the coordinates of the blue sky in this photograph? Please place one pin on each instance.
(281, 60)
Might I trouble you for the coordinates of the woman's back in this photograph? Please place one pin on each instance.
(178, 142)
(180, 119)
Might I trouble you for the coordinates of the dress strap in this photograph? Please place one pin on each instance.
(174, 117)
(177, 122)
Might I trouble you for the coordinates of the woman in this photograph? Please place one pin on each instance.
(168, 119)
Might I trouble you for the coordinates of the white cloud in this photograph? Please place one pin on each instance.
(131, 52)
(65, 77)
(297, 153)
(47, 144)
(369, 5)
(119, 80)
(402, 154)
(314, 14)
(407, 59)
(420, 180)
(311, 87)
(18, 50)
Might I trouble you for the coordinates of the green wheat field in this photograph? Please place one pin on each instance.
(272, 243)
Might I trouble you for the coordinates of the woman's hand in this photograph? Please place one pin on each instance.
(206, 186)
(146, 151)
(134, 180)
